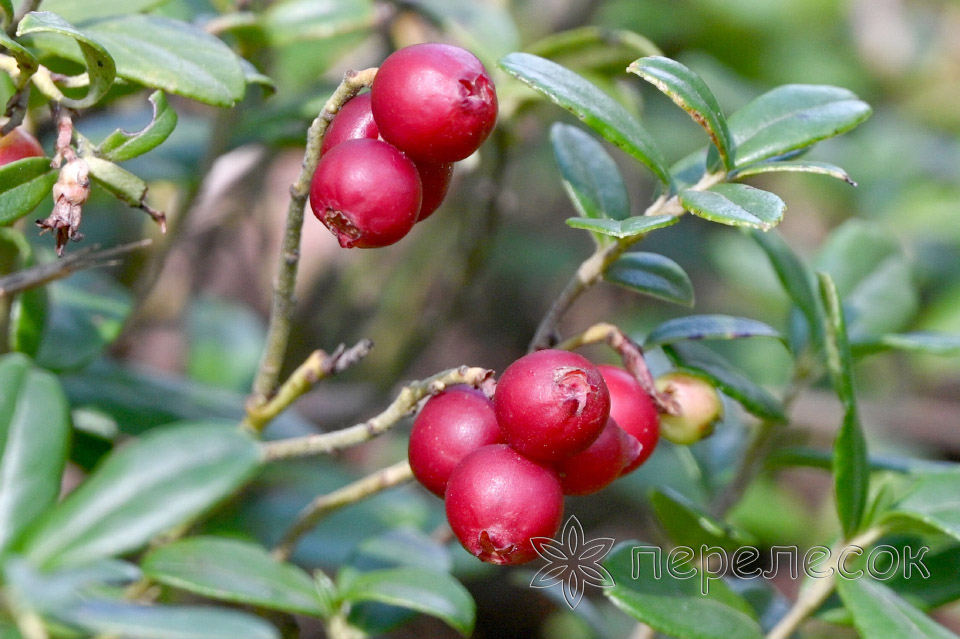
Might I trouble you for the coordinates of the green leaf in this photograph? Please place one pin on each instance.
(735, 205)
(932, 501)
(698, 327)
(122, 184)
(675, 606)
(690, 93)
(120, 145)
(28, 317)
(25, 60)
(629, 227)
(132, 621)
(164, 479)
(225, 343)
(927, 343)
(652, 274)
(594, 47)
(797, 279)
(594, 107)
(851, 468)
(235, 571)
(687, 525)
(701, 361)
(805, 166)
(171, 55)
(878, 613)
(425, 591)
(252, 75)
(23, 185)
(793, 117)
(485, 28)
(34, 442)
(297, 20)
(6, 8)
(99, 63)
(591, 178)
(77, 11)
(86, 313)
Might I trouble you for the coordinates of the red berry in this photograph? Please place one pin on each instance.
(551, 404)
(497, 499)
(17, 145)
(366, 192)
(602, 462)
(633, 409)
(435, 102)
(353, 121)
(450, 425)
(436, 181)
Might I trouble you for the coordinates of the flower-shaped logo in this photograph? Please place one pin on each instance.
(573, 562)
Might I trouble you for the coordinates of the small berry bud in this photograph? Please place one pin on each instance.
(700, 408)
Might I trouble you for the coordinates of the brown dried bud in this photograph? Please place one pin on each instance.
(69, 193)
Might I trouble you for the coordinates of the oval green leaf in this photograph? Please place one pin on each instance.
(688, 525)
(171, 55)
(120, 145)
(689, 92)
(629, 227)
(594, 107)
(164, 479)
(699, 360)
(932, 502)
(34, 441)
(6, 8)
(28, 317)
(23, 185)
(806, 166)
(735, 205)
(123, 184)
(878, 613)
(132, 621)
(674, 606)
(426, 591)
(591, 178)
(924, 342)
(235, 571)
(793, 117)
(652, 274)
(697, 327)
(25, 60)
(851, 468)
(77, 11)
(99, 63)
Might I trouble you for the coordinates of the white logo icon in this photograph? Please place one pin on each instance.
(573, 562)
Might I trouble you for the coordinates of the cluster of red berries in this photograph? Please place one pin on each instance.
(557, 425)
(387, 157)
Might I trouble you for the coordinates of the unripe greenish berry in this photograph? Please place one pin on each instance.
(699, 403)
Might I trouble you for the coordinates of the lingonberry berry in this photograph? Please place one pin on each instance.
(603, 461)
(355, 121)
(497, 499)
(450, 425)
(17, 145)
(700, 407)
(435, 102)
(633, 410)
(366, 192)
(551, 404)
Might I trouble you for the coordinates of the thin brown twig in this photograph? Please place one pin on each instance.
(281, 311)
(323, 505)
(89, 257)
(405, 402)
(319, 365)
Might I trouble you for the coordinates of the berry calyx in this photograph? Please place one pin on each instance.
(634, 411)
(17, 145)
(603, 461)
(497, 499)
(450, 425)
(354, 121)
(551, 404)
(366, 192)
(700, 407)
(435, 102)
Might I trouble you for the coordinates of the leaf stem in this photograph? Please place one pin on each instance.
(592, 269)
(316, 367)
(405, 402)
(323, 505)
(281, 311)
(810, 599)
